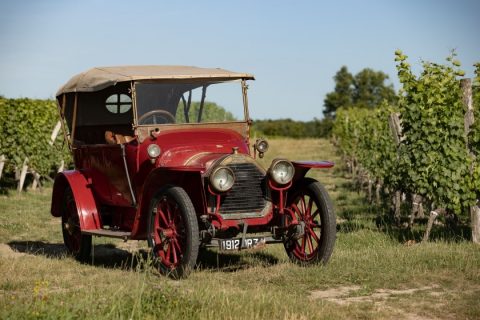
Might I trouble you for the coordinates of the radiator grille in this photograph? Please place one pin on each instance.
(248, 192)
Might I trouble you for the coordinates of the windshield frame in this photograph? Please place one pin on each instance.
(201, 82)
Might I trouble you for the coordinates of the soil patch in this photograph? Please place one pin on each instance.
(7, 252)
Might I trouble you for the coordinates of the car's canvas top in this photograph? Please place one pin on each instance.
(102, 77)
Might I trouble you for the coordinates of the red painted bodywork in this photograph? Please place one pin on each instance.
(186, 155)
(100, 180)
(182, 147)
(84, 199)
(302, 167)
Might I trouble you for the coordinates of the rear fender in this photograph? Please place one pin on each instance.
(302, 167)
(188, 178)
(84, 199)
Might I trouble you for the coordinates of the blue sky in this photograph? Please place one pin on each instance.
(294, 48)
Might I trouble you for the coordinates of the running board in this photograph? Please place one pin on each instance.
(125, 235)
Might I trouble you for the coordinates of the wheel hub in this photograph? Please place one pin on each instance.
(168, 233)
(297, 231)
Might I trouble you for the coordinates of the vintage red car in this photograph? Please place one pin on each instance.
(156, 160)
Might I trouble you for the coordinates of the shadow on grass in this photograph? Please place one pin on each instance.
(10, 184)
(442, 230)
(109, 256)
(347, 185)
(356, 214)
(209, 259)
(353, 226)
(49, 250)
(362, 216)
(103, 255)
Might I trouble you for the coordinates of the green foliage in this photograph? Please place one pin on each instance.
(364, 135)
(342, 96)
(433, 157)
(293, 129)
(379, 152)
(25, 127)
(370, 89)
(211, 113)
(271, 128)
(367, 89)
(345, 130)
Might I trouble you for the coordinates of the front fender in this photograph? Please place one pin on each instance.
(302, 167)
(84, 199)
(188, 178)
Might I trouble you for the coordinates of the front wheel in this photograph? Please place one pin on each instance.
(310, 204)
(173, 231)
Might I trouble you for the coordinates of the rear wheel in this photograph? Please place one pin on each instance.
(173, 231)
(78, 244)
(312, 207)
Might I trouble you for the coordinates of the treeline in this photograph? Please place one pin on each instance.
(211, 112)
(421, 152)
(315, 128)
(364, 90)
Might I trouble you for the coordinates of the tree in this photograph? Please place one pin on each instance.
(342, 95)
(370, 89)
(367, 89)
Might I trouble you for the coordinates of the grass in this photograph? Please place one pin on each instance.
(371, 275)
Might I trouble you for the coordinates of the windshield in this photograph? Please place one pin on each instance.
(183, 102)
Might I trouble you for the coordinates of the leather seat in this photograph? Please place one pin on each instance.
(112, 138)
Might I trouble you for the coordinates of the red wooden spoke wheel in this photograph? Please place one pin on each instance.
(312, 207)
(173, 231)
(78, 244)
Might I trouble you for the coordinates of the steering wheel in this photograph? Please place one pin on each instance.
(156, 117)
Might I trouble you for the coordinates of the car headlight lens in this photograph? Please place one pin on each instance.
(282, 171)
(261, 145)
(153, 151)
(222, 179)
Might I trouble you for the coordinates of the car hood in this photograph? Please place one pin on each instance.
(198, 148)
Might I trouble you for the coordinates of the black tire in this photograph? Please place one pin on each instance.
(173, 232)
(78, 245)
(309, 201)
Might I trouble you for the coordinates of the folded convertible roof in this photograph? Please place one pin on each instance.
(100, 78)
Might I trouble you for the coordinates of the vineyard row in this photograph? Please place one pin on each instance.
(425, 148)
(29, 143)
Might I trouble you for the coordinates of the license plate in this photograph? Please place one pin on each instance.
(236, 243)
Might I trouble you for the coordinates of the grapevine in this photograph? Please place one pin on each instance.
(434, 159)
(25, 127)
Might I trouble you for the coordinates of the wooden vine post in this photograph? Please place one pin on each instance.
(417, 201)
(466, 85)
(23, 174)
(396, 128)
(417, 208)
(369, 189)
(36, 180)
(62, 166)
(55, 132)
(2, 164)
(397, 134)
(378, 186)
